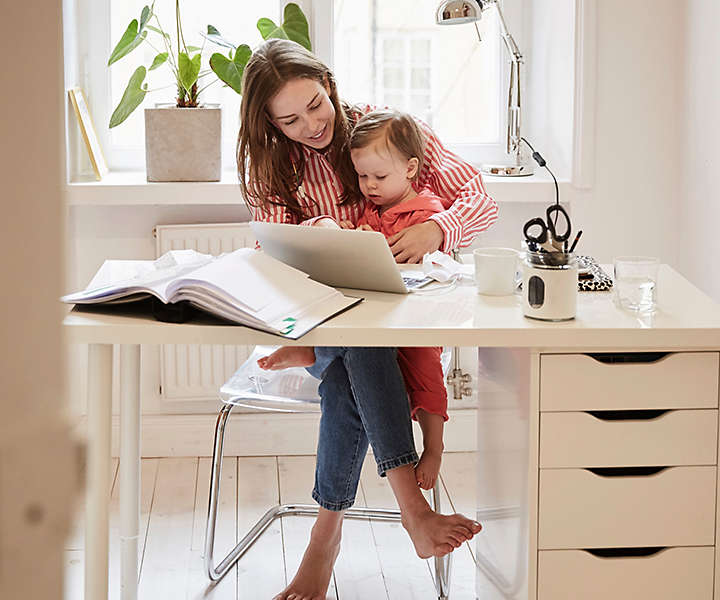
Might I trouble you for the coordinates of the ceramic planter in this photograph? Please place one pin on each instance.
(183, 144)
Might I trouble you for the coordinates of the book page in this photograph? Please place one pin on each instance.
(120, 278)
(251, 279)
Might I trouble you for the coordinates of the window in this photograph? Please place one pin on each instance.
(404, 73)
(384, 53)
(393, 53)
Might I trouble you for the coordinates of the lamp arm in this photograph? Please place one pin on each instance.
(513, 124)
(510, 44)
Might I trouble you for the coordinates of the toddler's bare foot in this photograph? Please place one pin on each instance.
(313, 577)
(426, 471)
(288, 356)
(437, 535)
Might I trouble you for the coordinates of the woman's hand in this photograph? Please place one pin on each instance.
(347, 225)
(412, 243)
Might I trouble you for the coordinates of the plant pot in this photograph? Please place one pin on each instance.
(183, 144)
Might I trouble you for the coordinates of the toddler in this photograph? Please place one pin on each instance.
(386, 148)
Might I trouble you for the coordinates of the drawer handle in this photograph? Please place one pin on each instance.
(625, 471)
(628, 357)
(627, 415)
(624, 552)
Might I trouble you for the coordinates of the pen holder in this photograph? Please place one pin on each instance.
(549, 286)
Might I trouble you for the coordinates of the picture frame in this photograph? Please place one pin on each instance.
(87, 128)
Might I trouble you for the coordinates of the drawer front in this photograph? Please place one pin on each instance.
(671, 574)
(628, 439)
(571, 382)
(581, 509)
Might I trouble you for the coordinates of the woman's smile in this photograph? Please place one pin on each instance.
(319, 137)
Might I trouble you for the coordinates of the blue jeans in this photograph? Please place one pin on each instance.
(363, 399)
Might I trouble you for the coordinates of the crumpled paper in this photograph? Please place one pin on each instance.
(441, 267)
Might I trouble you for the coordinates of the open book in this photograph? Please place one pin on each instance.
(245, 286)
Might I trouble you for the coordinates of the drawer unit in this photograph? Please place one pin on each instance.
(627, 476)
(628, 438)
(579, 508)
(669, 574)
(577, 382)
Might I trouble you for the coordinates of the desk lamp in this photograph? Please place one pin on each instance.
(455, 12)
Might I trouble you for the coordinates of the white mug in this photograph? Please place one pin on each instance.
(495, 270)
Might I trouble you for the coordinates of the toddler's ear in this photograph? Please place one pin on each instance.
(412, 168)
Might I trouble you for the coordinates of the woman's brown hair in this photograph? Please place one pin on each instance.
(269, 164)
(397, 128)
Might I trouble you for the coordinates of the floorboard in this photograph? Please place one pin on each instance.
(377, 559)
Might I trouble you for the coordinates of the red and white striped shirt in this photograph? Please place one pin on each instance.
(468, 208)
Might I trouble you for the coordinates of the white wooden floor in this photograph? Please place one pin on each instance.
(376, 562)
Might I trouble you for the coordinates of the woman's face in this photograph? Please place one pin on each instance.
(302, 110)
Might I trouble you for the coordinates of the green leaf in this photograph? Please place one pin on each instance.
(228, 71)
(188, 68)
(268, 29)
(294, 27)
(130, 40)
(193, 48)
(144, 17)
(156, 30)
(158, 60)
(132, 97)
(213, 35)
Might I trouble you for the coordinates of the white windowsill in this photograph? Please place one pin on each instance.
(130, 188)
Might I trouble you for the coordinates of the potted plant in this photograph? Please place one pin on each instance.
(183, 141)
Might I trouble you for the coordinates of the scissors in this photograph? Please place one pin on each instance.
(551, 237)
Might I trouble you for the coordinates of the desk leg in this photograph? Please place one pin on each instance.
(507, 473)
(129, 469)
(99, 411)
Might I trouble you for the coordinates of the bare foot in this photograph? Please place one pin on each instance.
(288, 356)
(437, 535)
(313, 577)
(427, 469)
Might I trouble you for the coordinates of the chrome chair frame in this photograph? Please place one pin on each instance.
(215, 573)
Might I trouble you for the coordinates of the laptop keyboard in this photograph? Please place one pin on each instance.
(413, 283)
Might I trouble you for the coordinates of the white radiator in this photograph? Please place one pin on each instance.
(196, 371)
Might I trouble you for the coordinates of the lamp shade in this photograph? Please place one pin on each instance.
(455, 12)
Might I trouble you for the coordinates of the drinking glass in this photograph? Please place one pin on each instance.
(636, 282)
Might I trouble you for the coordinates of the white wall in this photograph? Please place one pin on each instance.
(697, 206)
(631, 208)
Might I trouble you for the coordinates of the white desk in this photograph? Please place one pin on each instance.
(511, 352)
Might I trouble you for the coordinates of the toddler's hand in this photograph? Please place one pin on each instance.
(365, 227)
(347, 225)
(326, 222)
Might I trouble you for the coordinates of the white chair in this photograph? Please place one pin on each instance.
(290, 390)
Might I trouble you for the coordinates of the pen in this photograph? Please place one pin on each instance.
(575, 241)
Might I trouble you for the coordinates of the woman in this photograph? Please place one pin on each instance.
(294, 167)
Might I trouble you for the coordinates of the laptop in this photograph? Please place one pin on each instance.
(345, 258)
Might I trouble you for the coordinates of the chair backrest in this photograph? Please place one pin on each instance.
(287, 390)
